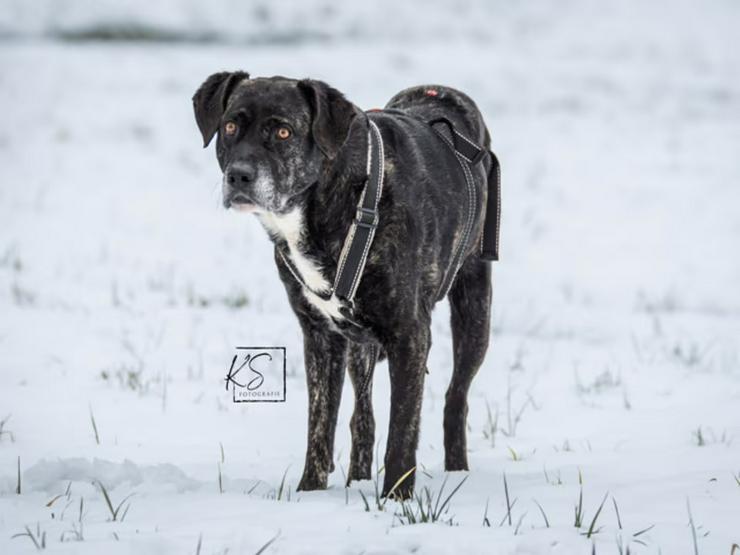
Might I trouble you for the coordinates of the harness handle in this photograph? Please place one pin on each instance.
(464, 146)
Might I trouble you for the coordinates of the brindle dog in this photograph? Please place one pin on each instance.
(295, 153)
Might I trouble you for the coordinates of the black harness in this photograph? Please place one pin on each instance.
(468, 155)
(361, 233)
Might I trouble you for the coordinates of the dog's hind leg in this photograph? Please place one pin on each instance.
(470, 308)
(361, 364)
(326, 358)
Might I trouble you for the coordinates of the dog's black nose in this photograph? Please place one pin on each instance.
(241, 174)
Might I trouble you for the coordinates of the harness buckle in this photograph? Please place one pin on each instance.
(366, 217)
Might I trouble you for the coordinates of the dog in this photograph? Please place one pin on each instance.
(296, 154)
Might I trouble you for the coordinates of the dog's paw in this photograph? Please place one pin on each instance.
(392, 489)
(312, 481)
(401, 493)
(456, 462)
(359, 472)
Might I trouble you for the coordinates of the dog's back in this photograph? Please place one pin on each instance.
(429, 102)
(446, 194)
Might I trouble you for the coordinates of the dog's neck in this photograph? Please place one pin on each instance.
(291, 228)
(315, 229)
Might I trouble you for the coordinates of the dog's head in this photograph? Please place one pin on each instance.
(273, 134)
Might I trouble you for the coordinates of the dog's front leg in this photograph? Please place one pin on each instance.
(407, 363)
(360, 366)
(325, 356)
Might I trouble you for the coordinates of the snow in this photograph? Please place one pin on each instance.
(124, 286)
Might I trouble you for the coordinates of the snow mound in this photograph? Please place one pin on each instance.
(51, 476)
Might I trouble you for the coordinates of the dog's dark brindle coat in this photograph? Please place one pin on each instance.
(312, 175)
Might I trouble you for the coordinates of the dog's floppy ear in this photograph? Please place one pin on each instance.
(331, 115)
(209, 101)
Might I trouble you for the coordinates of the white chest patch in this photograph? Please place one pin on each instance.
(290, 227)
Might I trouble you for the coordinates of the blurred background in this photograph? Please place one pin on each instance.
(124, 285)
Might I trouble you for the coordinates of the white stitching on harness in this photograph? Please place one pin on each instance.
(379, 189)
(486, 190)
(470, 186)
(464, 138)
(351, 234)
(471, 143)
(459, 246)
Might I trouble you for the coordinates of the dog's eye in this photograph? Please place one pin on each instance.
(230, 128)
(283, 133)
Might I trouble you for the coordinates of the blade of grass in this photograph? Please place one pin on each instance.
(508, 511)
(616, 510)
(644, 530)
(693, 528)
(107, 499)
(439, 495)
(436, 513)
(268, 544)
(282, 485)
(30, 535)
(596, 517)
(113, 512)
(544, 516)
(579, 508)
(257, 483)
(94, 426)
(406, 474)
(519, 523)
(424, 471)
(125, 511)
(364, 499)
(508, 504)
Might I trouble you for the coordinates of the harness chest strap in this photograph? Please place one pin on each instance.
(362, 231)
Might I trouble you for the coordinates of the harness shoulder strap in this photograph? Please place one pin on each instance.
(362, 231)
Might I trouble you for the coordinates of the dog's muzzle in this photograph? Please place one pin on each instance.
(238, 182)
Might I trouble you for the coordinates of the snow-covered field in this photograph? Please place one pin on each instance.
(124, 288)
